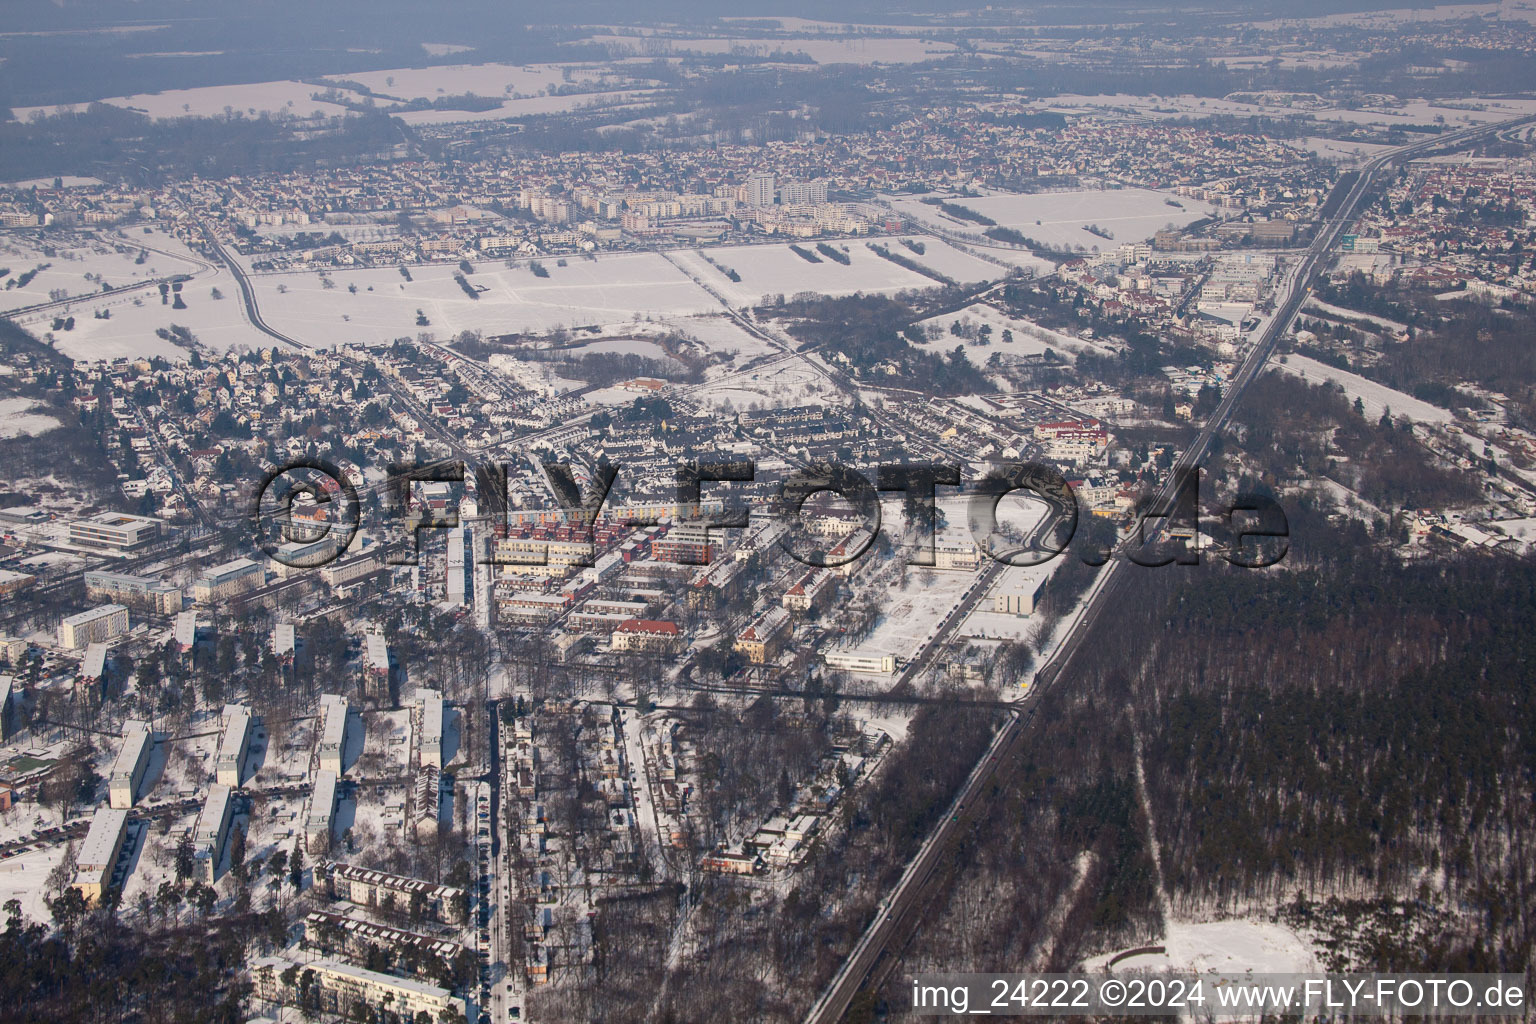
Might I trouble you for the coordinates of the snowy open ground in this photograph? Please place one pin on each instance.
(1230, 947)
(606, 291)
(1416, 112)
(18, 418)
(821, 49)
(1029, 338)
(71, 257)
(250, 99)
(1058, 219)
(1375, 397)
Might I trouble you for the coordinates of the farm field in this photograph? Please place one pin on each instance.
(251, 99)
(68, 259)
(1059, 219)
(605, 291)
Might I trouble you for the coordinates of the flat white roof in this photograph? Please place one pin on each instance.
(99, 850)
(323, 803)
(91, 614)
(376, 651)
(130, 752)
(335, 728)
(211, 821)
(237, 725)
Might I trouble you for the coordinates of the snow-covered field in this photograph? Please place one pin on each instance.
(250, 99)
(1415, 112)
(821, 49)
(1028, 338)
(1058, 219)
(219, 324)
(18, 418)
(777, 270)
(607, 291)
(787, 384)
(71, 258)
(1228, 947)
(1376, 398)
(457, 79)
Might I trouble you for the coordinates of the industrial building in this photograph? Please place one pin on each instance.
(227, 581)
(212, 832)
(114, 531)
(333, 732)
(141, 593)
(98, 854)
(98, 625)
(131, 763)
(233, 745)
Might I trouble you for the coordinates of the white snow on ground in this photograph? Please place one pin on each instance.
(1028, 338)
(946, 259)
(529, 107)
(860, 50)
(721, 334)
(1375, 397)
(1349, 314)
(606, 291)
(76, 256)
(1522, 530)
(18, 420)
(777, 270)
(1058, 219)
(250, 99)
(1416, 112)
(456, 79)
(25, 878)
(774, 387)
(1231, 947)
(220, 324)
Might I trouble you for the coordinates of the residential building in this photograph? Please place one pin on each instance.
(233, 745)
(341, 986)
(369, 888)
(322, 809)
(650, 635)
(98, 854)
(141, 593)
(871, 662)
(764, 636)
(432, 712)
(98, 625)
(227, 581)
(212, 832)
(128, 768)
(333, 732)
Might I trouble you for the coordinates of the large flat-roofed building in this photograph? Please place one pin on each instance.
(339, 986)
(432, 711)
(369, 888)
(213, 831)
(114, 531)
(186, 630)
(333, 732)
(230, 580)
(1018, 599)
(233, 745)
(98, 854)
(95, 626)
(143, 593)
(861, 661)
(129, 767)
(322, 808)
(685, 545)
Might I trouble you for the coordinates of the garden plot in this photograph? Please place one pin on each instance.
(606, 291)
(1377, 398)
(251, 99)
(778, 270)
(1059, 219)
